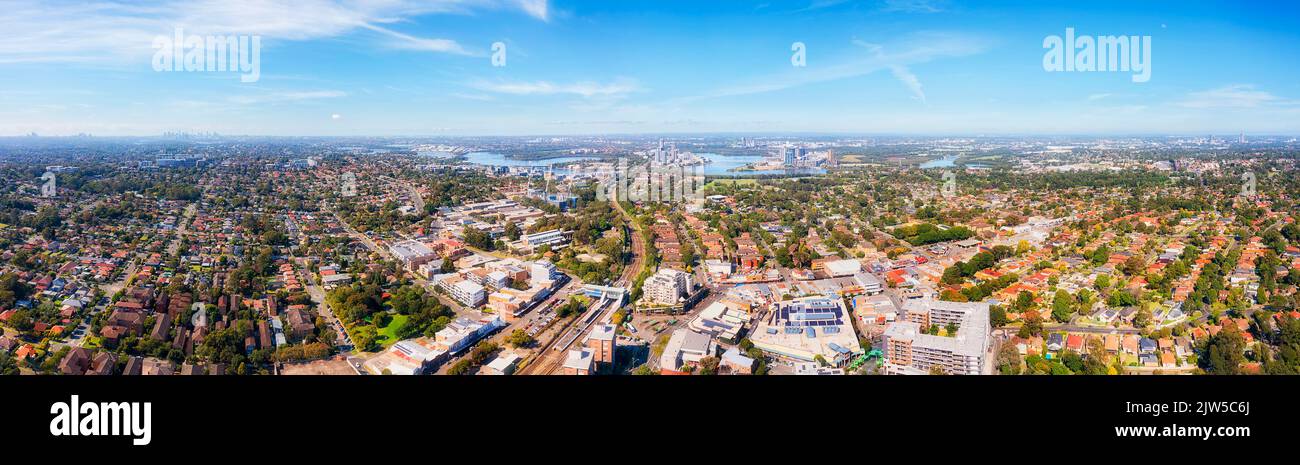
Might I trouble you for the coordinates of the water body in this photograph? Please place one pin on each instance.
(496, 159)
(721, 165)
(945, 162)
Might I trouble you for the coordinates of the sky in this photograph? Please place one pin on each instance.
(426, 68)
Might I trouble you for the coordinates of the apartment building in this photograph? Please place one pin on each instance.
(466, 292)
(666, 286)
(601, 343)
(910, 350)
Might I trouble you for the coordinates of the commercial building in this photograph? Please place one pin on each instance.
(735, 363)
(409, 357)
(839, 268)
(724, 319)
(504, 364)
(412, 254)
(552, 238)
(464, 332)
(685, 348)
(910, 350)
(803, 329)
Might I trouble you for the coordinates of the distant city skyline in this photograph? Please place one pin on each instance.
(871, 67)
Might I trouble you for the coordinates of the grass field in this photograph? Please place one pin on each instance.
(388, 334)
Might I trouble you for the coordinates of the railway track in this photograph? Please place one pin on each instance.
(550, 358)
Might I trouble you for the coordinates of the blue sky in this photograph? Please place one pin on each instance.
(397, 67)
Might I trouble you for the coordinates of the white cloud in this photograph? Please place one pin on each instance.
(909, 80)
(1232, 96)
(586, 89)
(409, 42)
(918, 48)
(109, 31)
(1095, 97)
(286, 96)
(913, 6)
(537, 8)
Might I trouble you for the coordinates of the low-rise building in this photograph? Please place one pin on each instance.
(685, 348)
(578, 362)
(412, 254)
(806, 328)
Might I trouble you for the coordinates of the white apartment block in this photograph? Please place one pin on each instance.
(466, 292)
(666, 286)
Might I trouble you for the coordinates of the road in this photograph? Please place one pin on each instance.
(342, 341)
(182, 229)
(1048, 327)
(369, 243)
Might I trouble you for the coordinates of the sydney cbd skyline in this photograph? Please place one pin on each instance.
(568, 67)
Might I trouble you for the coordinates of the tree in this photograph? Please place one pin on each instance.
(1225, 352)
(1009, 359)
(997, 316)
(1073, 361)
(1142, 318)
(1062, 306)
(1133, 266)
(1121, 299)
(520, 338)
(1102, 282)
(12, 290)
(709, 366)
(1033, 325)
(512, 231)
(1024, 300)
(365, 338)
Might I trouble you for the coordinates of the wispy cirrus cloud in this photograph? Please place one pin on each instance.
(914, 6)
(1233, 96)
(586, 89)
(109, 31)
(286, 96)
(895, 57)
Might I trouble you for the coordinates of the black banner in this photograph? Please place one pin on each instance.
(368, 412)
